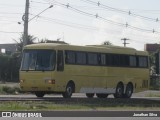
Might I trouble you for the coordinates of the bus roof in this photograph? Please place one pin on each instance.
(89, 48)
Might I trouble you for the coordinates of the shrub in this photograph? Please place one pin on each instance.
(10, 90)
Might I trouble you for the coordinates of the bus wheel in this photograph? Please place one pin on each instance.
(129, 91)
(119, 91)
(102, 95)
(69, 91)
(90, 95)
(39, 94)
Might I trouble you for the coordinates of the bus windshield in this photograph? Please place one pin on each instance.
(38, 60)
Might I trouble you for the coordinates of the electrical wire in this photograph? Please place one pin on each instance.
(10, 13)
(11, 5)
(120, 10)
(69, 24)
(104, 19)
(80, 26)
(10, 32)
(75, 25)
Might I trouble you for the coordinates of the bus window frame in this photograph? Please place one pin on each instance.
(54, 58)
(109, 59)
(60, 65)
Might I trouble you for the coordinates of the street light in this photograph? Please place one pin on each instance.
(26, 21)
(41, 12)
(36, 15)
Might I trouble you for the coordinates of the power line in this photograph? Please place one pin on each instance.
(6, 17)
(104, 19)
(69, 24)
(8, 21)
(11, 5)
(39, 2)
(9, 13)
(89, 7)
(120, 10)
(9, 32)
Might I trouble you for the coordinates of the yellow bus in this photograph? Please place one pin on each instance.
(94, 70)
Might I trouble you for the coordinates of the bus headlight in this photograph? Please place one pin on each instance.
(22, 81)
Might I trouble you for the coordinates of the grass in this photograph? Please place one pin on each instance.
(83, 104)
(38, 106)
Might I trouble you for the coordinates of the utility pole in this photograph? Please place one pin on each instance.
(125, 39)
(25, 19)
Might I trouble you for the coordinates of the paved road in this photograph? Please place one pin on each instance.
(143, 94)
(59, 97)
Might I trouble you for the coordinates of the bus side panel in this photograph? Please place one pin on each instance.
(101, 77)
(139, 77)
(85, 76)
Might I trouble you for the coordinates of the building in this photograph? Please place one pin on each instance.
(151, 48)
(8, 48)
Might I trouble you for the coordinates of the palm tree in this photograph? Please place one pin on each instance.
(31, 40)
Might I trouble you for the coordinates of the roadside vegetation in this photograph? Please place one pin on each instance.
(9, 90)
(81, 104)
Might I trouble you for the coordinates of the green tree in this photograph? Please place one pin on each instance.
(107, 43)
(152, 60)
(43, 40)
(15, 63)
(9, 67)
(4, 66)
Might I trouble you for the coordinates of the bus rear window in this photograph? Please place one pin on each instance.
(38, 60)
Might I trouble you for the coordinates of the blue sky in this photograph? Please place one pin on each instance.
(79, 29)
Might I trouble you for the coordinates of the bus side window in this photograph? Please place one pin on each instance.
(102, 59)
(60, 61)
(143, 61)
(132, 61)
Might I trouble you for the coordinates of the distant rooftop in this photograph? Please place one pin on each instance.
(8, 48)
(151, 47)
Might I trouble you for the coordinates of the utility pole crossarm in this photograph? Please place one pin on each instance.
(125, 39)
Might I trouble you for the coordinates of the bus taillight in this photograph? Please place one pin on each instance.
(51, 81)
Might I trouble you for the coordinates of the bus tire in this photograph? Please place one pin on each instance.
(90, 95)
(40, 94)
(129, 91)
(69, 90)
(102, 95)
(119, 91)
